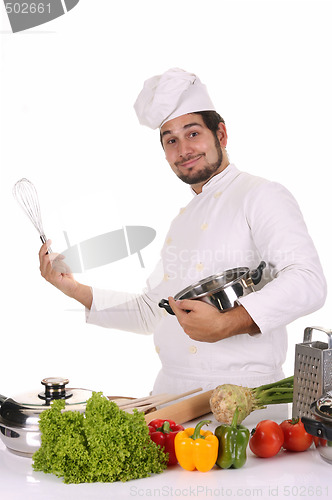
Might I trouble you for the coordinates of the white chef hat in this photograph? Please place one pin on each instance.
(174, 93)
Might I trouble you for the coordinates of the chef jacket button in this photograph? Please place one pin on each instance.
(204, 226)
(217, 194)
(166, 277)
(157, 349)
(169, 241)
(192, 349)
(199, 267)
(182, 210)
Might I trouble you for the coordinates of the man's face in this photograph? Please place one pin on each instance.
(192, 150)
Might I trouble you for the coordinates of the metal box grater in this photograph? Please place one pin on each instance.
(312, 371)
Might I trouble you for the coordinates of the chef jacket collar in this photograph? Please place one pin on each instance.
(216, 179)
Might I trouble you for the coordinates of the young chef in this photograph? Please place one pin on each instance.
(233, 220)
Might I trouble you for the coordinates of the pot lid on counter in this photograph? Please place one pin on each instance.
(24, 409)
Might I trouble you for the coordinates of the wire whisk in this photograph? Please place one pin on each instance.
(26, 195)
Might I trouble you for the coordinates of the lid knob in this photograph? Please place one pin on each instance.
(55, 388)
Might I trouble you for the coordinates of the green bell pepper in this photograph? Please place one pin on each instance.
(233, 442)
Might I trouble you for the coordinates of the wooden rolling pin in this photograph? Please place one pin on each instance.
(185, 410)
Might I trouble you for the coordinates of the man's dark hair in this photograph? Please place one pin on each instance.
(210, 118)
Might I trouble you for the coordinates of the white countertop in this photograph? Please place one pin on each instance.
(287, 475)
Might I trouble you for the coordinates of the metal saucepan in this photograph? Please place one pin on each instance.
(221, 290)
(19, 419)
(321, 425)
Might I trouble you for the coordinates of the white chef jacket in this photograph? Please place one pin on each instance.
(237, 220)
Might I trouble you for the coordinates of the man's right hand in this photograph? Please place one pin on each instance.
(54, 269)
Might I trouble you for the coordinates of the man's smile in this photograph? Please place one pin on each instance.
(190, 162)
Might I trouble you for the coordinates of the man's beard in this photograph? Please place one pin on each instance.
(205, 173)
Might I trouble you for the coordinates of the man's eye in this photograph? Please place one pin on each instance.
(193, 134)
(171, 141)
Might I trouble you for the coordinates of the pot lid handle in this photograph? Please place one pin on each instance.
(55, 388)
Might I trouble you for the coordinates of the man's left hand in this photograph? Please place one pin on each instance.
(205, 323)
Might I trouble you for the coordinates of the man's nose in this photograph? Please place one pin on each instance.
(184, 148)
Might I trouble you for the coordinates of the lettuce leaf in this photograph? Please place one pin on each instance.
(104, 445)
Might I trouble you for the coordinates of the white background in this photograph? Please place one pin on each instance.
(68, 124)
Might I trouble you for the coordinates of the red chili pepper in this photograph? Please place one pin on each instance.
(163, 433)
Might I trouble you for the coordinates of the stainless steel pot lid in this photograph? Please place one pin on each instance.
(24, 410)
(54, 388)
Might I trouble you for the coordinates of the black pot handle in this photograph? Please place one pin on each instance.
(2, 399)
(165, 304)
(257, 274)
(317, 428)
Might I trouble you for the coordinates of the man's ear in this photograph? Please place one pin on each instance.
(222, 134)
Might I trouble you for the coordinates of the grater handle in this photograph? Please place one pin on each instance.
(308, 334)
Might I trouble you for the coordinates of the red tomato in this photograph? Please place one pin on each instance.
(296, 437)
(266, 439)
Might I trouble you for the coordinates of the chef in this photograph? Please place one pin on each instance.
(234, 219)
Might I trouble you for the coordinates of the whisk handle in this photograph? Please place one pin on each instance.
(43, 238)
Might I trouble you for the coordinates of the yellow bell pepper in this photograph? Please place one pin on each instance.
(196, 449)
